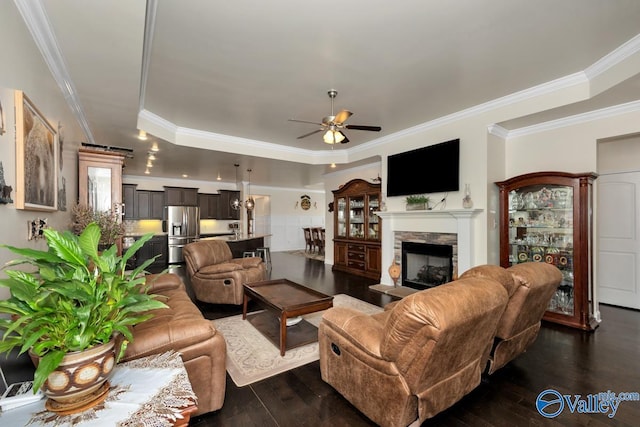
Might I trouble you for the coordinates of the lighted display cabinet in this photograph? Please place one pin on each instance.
(357, 229)
(547, 217)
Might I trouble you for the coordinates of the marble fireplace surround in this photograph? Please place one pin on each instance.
(449, 227)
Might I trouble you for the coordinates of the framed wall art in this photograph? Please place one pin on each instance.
(36, 158)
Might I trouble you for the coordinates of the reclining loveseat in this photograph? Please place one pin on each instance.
(217, 277)
(182, 328)
(428, 350)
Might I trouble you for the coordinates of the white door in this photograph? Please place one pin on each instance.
(619, 239)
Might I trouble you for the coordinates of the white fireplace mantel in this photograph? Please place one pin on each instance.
(459, 221)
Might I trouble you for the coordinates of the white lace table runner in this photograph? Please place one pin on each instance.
(148, 392)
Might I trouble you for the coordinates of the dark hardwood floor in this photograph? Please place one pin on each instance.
(569, 361)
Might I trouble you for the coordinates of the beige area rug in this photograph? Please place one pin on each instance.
(399, 291)
(310, 255)
(251, 357)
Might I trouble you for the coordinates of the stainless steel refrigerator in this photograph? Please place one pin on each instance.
(182, 224)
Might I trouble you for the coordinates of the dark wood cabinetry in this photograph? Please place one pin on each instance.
(547, 217)
(142, 204)
(225, 210)
(150, 204)
(209, 206)
(157, 245)
(356, 240)
(180, 196)
(129, 200)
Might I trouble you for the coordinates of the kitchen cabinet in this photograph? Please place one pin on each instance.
(209, 206)
(180, 196)
(100, 180)
(149, 204)
(357, 229)
(225, 210)
(547, 217)
(142, 204)
(129, 200)
(157, 245)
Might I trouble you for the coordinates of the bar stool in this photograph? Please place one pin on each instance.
(265, 254)
(249, 254)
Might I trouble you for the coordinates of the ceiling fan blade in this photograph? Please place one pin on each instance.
(342, 116)
(310, 133)
(305, 121)
(345, 140)
(358, 127)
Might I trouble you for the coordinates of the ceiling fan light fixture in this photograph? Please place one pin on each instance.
(333, 137)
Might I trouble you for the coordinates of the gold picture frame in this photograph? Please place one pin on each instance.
(36, 158)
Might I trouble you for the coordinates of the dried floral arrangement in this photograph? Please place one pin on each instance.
(111, 227)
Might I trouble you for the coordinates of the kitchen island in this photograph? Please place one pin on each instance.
(241, 244)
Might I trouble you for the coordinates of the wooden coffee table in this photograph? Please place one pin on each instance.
(286, 300)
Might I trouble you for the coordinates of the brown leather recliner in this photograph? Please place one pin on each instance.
(216, 276)
(416, 359)
(183, 329)
(530, 287)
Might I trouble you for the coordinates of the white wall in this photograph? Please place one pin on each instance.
(288, 218)
(23, 68)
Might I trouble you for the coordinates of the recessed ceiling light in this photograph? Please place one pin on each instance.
(149, 164)
(184, 175)
(219, 178)
(154, 147)
(147, 171)
(142, 135)
(151, 156)
(333, 165)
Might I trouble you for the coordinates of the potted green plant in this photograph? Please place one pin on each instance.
(77, 300)
(417, 202)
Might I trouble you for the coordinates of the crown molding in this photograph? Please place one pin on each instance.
(505, 101)
(37, 21)
(613, 58)
(498, 131)
(208, 140)
(603, 113)
(149, 28)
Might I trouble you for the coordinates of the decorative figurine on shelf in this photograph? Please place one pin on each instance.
(467, 203)
(5, 190)
(394, 272)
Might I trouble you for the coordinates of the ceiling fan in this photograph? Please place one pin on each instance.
(332, 125)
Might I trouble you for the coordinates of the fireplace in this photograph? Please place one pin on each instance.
(426, 265)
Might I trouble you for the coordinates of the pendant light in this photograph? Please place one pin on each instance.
(249, 203)
(236, 203)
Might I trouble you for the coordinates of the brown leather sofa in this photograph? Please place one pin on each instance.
(183, 329)
(417, 358)
(216, 276)
(530, 287)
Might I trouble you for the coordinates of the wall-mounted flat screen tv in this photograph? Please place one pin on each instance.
(431, 169)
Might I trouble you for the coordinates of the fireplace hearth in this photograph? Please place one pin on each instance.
(426, 265)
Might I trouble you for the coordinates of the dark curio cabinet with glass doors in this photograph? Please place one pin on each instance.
(356, 240)
(547, 217)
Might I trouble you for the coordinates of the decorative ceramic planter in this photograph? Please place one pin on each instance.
(81, 374)
(416, 206)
